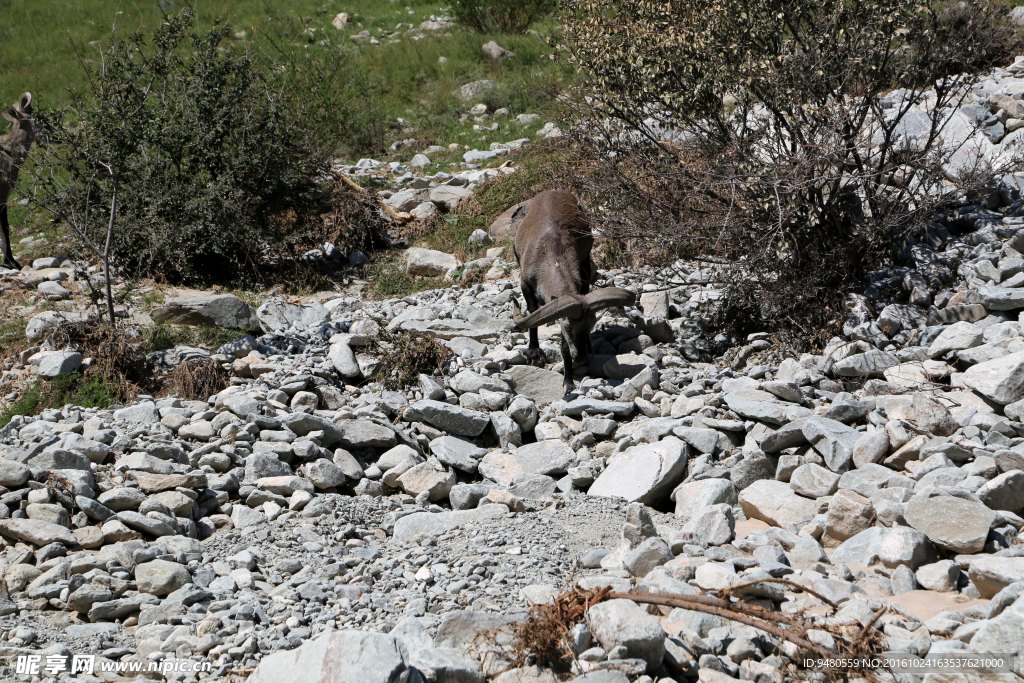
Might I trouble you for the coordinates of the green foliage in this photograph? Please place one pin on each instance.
(500, 16)
(210, 159)
(86, 391)
(340, 102)
(406, 355)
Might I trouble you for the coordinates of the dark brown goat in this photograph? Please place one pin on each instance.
(553, 250)
(12, 155)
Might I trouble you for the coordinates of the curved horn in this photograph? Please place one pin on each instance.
(606, 297)
(25, 103)
(562, 307)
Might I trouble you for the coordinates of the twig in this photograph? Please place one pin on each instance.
(395, 215)
(867, 627)
(786, 582)
(697, 604)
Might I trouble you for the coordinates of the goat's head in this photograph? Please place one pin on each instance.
(577, 315)
(23, 132)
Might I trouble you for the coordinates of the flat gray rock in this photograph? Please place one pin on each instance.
(418, 524)
(449, 418)
(550, 457)
(643, 473)
(543, 386)
(337, 657)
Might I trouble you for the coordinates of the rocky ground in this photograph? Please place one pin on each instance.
(306, 520)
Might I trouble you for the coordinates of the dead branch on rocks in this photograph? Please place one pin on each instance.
(731, 611)
(786, 582)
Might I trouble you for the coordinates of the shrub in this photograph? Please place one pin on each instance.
(500, 16)
(405, 355)
(203, 164)
(761, 134)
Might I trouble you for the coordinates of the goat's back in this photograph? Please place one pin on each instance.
(554, 236)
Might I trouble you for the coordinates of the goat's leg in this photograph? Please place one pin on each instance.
(570, 386)
(5, 228)
(533, 355)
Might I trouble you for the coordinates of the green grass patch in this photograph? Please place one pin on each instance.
(92, 391)
(12, 336)
(388, 279)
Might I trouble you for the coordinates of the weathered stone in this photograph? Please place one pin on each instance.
(540, 385)
(694, 496)
(1000, 380)
(1004, 492)
(366, 434)
(849, 514)
(813, 481)
(952, 523)
(833, 440)
(449, 418)
(991, 574)
(339, 657)
(643, 473)
(278, 316)
(161, 578)
(37, 532)
(211, 310)
(776, 503)
(427, 524)
(550, 457)
(939, 576)
(623, 623)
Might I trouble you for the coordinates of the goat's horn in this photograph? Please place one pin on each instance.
(606, 297)
(25, 103)
(562, 307)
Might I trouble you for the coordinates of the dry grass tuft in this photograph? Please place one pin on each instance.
(197, 380)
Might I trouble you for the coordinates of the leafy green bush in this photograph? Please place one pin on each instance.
(500, 16)
(203, 162)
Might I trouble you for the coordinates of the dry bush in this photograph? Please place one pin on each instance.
(197, 379)
(544, 635)
(117, 358)
(405, 355)
(756, 135)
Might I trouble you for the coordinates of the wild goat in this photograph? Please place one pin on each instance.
(12, 155)
(553, 250)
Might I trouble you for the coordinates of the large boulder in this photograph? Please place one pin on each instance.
(955, 524)
(209, 310)
(891, 547)
(1000, 380)
(644, 473)
(550, 458)
(992, 574)
(616, 623)
(776, 503)
(278, 316)
(429, 262)
(339, 657)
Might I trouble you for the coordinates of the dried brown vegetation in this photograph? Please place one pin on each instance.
(197, 380)
(760, 134)
(405, 355)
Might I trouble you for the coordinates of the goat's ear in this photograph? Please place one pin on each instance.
(25, 103)
(10, 118)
